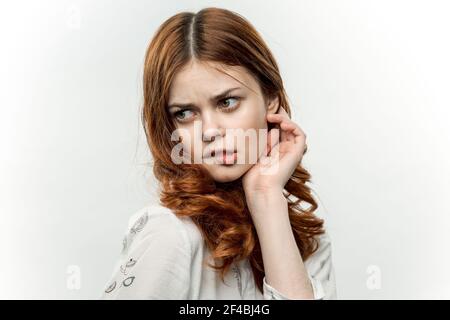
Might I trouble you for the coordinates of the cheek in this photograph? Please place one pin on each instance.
(186, 138)
(255, 120)
(193, 144)
(254, 116)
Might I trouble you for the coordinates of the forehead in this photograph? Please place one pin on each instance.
(197, 79)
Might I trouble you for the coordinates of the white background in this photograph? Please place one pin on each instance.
(368, 82)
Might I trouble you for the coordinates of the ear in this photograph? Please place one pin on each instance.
(272, 104)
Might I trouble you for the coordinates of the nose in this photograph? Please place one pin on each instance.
(211, 127)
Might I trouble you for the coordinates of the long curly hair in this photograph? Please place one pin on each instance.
(218, 209)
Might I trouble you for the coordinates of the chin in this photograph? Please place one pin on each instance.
(223, 173)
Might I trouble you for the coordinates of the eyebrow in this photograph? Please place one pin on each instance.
(213, 99)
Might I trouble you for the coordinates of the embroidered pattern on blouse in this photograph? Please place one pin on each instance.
(129, 264)
(126, 242)
(111, 287)
(126, 282)
(137, 227)
(140, 223)
(237, 275)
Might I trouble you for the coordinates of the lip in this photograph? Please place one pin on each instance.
(224, 157)
(212, 153)
(228, 158)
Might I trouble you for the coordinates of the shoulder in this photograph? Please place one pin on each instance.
(320, 263)
(323, 252)
(156, 258)
(157, 223)
(325, 245)
(321, 270)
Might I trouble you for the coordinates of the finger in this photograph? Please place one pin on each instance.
(274, 153)
(273, 139)
(300, 140)
(287, 133)
(282, 111)
(289, 129)
(276, 117)
(286, 124)
(293, 127)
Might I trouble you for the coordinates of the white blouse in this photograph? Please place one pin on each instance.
(163, 258)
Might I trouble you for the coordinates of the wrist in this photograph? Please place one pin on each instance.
(265, 193)
(266, 196)
(268, 207)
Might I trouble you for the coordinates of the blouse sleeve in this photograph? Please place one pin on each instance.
(320, 272)
(155, 261)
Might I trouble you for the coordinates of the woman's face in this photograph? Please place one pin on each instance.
(211, 122)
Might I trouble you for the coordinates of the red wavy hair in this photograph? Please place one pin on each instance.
(218, 209)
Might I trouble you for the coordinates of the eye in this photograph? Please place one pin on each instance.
(230, 105)
(181, 115)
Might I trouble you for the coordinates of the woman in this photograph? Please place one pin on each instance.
(229, 224)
